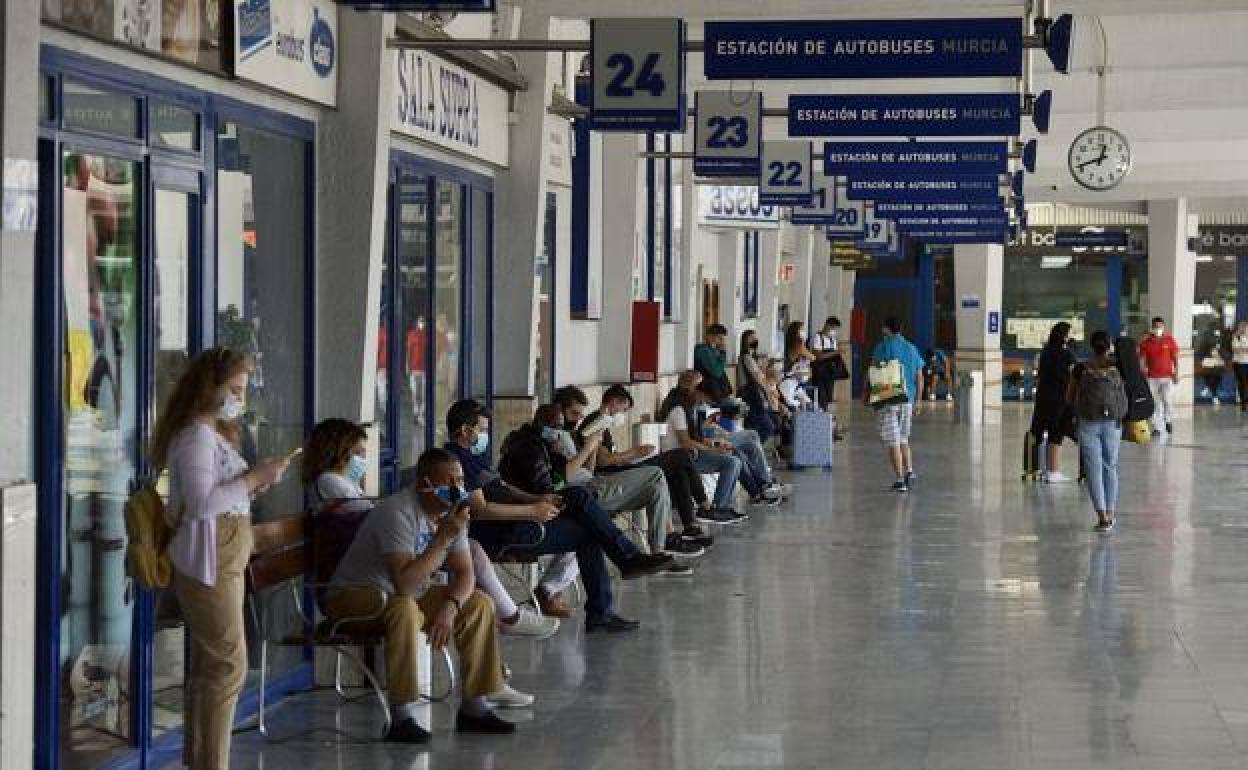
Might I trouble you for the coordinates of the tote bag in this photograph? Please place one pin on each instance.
(887, 383)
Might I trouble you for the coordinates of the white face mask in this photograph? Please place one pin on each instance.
(566, 446)
(620, 420)
(231, 408)
(1158, 331)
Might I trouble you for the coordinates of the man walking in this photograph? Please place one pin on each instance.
(1160, 354)
(895, 419)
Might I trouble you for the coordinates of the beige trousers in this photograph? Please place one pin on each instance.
(218, 664)
(474, 633)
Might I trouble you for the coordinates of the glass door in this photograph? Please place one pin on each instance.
(100, 257)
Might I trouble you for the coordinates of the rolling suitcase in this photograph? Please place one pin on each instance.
(813, 436)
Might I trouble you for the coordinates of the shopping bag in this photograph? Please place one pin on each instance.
(887, 383)
(1136, 431)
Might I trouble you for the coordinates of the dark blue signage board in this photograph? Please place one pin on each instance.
(893, 209)
(1057, 44)
(981, 114)
(892, 48)
(970, 235)
(907, 224)
(851, 158)
(469, 6)
(1113, 239)
(887, 188)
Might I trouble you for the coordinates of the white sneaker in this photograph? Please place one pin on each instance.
(530, 624)
(785, 490)
(1057, 477)
(509, 698)
(773, 494)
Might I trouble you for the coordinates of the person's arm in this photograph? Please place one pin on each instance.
(442, 624)
(1174, 360)
(411, 571)
(203, 497)
(582, 459)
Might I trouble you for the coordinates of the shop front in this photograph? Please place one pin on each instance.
(172, 218)
(450, 138)
(1221, 280)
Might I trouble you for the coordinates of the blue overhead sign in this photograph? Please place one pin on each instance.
(983, 114)
(924, 189)
(907, 224)
(890, 209)
(970, 235)
(892, 48)
(479, 6)
(850, 158)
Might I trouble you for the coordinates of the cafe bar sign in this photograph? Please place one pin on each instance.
(445, 105)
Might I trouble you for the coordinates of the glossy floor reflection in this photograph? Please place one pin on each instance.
(975, 623)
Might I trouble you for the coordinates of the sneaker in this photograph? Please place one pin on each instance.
(1169, 428)
(553, 605)
(900, 486)
(678, 547)
(407, 731)
(910, 478)
(1057, 477)
(611, 623)
(488, 723)
(644, 564)
(785, 490)
(772, 493)
(529, 623)
(948, 396)
(724, 516)
(676, 570)
(764, 500)
(698, 535)
(1104, 527)
(509, 698)
(706, 516)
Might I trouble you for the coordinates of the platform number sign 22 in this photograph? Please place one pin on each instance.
(638, 73)
(727, 133)
(784, 176)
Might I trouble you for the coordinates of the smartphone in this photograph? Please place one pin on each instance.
(294, 453)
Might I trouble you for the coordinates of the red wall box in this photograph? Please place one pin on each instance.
(644, 361)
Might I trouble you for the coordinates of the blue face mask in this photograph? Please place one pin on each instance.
(451, 495)
(481, 444)
(356, 468)
(550, 434)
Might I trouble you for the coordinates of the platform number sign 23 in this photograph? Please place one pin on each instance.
(784, 173)
(728, 133)
(638, 68)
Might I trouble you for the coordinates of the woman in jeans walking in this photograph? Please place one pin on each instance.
(1100, 401)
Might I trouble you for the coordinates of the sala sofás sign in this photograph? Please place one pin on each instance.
(443, 104)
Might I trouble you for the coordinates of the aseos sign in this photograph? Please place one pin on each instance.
(440, 103)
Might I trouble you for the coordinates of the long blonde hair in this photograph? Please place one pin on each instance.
(197, 392)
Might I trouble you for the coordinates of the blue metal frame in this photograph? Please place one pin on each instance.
(1113, 293)
(650, 233)
(667, 230)
(1241, 288)
(582, 176)
(163, 167)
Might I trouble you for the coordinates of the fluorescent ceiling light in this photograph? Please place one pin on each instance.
(1203, 258)
(1055, 262)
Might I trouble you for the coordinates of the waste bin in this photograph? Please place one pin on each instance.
(968, 404)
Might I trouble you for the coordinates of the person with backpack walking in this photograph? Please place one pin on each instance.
(210, 494)
(895, 418)
(1100, 400)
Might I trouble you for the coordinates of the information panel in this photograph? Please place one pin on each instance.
(728, 135)
(980, 114)
(923, 189)
(400, 6)
(785, 178)
(850, 158)
(830, 207)
(902, 208)
(909, 222)
(893, 48)
(638, 68)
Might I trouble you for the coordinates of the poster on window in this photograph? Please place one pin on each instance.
(289, 45)
(189, 31)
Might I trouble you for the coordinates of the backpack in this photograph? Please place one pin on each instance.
(1101, 395)
(148, 534)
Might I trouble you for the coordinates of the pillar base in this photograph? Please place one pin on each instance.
(989, 362)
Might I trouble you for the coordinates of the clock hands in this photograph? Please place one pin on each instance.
(1098, 160)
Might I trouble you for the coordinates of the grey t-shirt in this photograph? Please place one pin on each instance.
(397, 525)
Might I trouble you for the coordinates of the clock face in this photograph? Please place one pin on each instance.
(1099, 158)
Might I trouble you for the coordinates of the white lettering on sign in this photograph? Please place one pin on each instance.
(441, 103)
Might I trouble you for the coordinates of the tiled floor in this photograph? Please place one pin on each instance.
(975, 623)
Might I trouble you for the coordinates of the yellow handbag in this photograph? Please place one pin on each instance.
(1136, 431)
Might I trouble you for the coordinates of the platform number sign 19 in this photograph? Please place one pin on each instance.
(875, 229)
(638, 68)
(784, 177)
(728, 133)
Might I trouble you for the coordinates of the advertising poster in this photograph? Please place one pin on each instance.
(189, 31)
(290, 45)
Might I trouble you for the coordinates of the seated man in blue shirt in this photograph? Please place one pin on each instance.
(895, 419)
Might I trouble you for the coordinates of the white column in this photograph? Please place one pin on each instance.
(803, 248)
(977, 283)
(820, 275)
(768, 301)
(623, 237)
(1172, 282)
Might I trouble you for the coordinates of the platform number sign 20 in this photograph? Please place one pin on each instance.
(727, 133)
(638, 73)
(784, 175)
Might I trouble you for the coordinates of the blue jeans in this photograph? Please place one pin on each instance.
(583, 527)
(729, 469)
(1098, 443)
(755, 475)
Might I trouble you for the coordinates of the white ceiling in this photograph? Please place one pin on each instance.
(1176, 85)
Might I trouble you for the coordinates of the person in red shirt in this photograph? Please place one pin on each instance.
(1159, 353)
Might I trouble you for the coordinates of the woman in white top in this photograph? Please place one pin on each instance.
(334, 466)
(1239, 360)
(210, 493)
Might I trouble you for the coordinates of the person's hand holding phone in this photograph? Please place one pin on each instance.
(268, 472)
(453, 524)
(543, 512)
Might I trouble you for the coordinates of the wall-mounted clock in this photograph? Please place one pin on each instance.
(1099, 158)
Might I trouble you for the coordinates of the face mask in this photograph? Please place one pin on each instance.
(567, 447)
(448, 494)
(357, 466)
(481, 444)
(833, 332)
(551, 434)
(1157, 332)
(231, 408)
(619, 420)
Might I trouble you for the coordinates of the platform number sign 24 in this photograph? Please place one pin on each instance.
(727, 133)
(638, 71)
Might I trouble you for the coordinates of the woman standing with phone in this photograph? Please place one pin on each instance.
(210, 493)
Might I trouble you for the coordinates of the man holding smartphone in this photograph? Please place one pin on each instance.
(406, 545)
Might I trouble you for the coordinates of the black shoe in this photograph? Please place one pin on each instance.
(1169, 428)
(1156, 433)
(900, 486)
(678, 546)
(910, 478)
(644, 564)
(676, 570)
(727, 516)
(489, 723)
(407, 731)
(610, 623)
(696, 536)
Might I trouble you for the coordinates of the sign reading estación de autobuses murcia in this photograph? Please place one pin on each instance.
(446, 105)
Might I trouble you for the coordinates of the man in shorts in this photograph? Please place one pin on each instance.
(895, 419)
